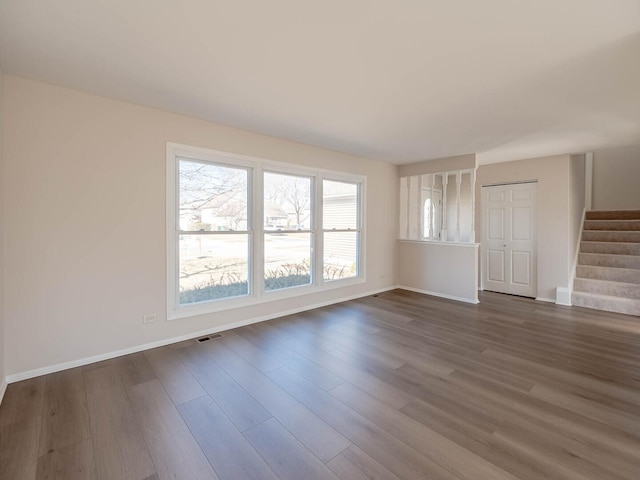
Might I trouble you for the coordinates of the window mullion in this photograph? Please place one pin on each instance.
(319, 234)
(257, 220)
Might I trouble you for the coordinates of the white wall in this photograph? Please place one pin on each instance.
(439, 269)
(616, 179)
(553, 217)
(84, 194)
(576, 206)
(2, 318)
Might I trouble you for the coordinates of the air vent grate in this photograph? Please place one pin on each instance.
(214, 336)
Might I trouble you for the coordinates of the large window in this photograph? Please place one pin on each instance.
(244, 230)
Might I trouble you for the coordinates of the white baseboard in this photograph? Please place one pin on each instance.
(3, 388)
(544, 299)
(563, 296)
(16, 377)
(441, 295)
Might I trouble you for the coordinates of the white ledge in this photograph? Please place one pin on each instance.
(432, 242)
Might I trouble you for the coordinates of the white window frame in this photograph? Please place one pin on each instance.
(255, 229)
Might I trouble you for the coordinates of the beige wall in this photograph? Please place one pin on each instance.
(84, 193)
(553, 217)
(2, 318)
(440, 269)
(616, 179)
(438, 165)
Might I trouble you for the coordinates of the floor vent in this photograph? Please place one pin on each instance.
(215, 336)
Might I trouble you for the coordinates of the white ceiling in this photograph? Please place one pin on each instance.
(400, 81)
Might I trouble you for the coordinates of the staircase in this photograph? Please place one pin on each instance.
(608, 271)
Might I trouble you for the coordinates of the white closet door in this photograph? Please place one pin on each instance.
(508, 244)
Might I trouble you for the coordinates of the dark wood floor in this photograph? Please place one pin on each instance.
(397, 386)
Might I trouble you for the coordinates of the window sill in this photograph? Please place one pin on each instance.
(438, 242)
(205, 308)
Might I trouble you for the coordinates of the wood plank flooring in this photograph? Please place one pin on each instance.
(393, 386)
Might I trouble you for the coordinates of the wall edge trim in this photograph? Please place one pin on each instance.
(544, 299)
(574, 266)
(3, 388)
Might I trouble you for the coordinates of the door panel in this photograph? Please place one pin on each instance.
(521, 226)
(521, 268)
(508, 246)
(496, 266)
(520, 195)
(496, 196)
(496, 224)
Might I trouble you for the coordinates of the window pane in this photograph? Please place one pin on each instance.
(287, 202)
(426, 221)
(213, 267)
(212, 197)
(287, 260)
(340, 255)
(340, 205)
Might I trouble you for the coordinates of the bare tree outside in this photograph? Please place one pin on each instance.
(212, 198)
(214, 243)
(212, 192)
(298, 195)
(287, 261)
(292, 194)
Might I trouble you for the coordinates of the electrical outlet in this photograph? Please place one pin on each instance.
(149, 318)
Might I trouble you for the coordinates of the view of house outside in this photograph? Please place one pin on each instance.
(340, 213)
(287, 230)
(214, 258)
(214, 255)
